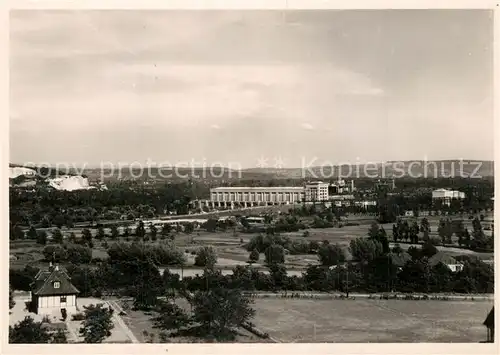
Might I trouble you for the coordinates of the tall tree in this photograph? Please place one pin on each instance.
(12, 303)
(220, 310)
(166, 229)
(153, 231)
(274, 254)
(331, 254)
(57, 236)
(42, 237)
(86, 236)
(171, 317)
(98, 323)
(32, 234)
(206, 257)
(147, 283)
(365, 250)
(254, 256)
(115, 234)
(140, 231)
(28, 331)
(100, 233)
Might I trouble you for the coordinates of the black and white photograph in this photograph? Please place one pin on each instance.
(253, 176)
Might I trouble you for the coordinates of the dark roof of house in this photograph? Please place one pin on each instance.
(490, 319)
(399, 259)
(441, 257)
(44, 283)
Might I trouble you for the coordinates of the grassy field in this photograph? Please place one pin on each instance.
(381, 321)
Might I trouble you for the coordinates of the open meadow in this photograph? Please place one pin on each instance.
(381, 321)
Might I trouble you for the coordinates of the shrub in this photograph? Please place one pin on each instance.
(78, 317)
(206, 256)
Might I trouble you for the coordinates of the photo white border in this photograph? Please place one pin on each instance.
(289, 349)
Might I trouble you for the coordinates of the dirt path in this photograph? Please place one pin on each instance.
(120, 321)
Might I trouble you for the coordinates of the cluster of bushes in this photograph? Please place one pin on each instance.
(165, 253)
(74, 253)
(294, 247)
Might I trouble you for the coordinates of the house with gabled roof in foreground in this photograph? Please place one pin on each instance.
(53, 291)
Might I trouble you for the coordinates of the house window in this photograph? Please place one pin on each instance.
(63, 298)
(57, 284)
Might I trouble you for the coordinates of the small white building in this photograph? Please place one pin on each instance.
(446, 195)
(447, 260)
(53, 291)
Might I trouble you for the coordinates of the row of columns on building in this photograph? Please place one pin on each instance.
(233, 204)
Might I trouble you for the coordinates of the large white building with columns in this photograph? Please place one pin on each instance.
(255, 196)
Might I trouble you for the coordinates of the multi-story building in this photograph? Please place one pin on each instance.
(316, 191)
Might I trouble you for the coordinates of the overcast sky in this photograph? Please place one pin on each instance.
(235, 86)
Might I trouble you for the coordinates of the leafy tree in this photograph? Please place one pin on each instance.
(428, 250)
(364, 250)
(115, 234)
(220, 310)
(41, 237)
(28, 331)
(171, 317)
(415, 276)
(275, 254)
(414, 232)
(86, 236)
(55, 253)
(22, 279)
(278, 275)
(98, 323)
(166, 229)
(147, 283)
(254, 256)
(140, 230)
(206, 257)
(395, 232)
(57, 236)
(59, 337)
(16, 233)
(72, 238)
(189, 228)
(32, 234)
(331, 254)
(153, 231)
(378, 234)
(12, 303)
(211, 225)
(425, 227)
(397, 249)
(100, 233)
(78, 254)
